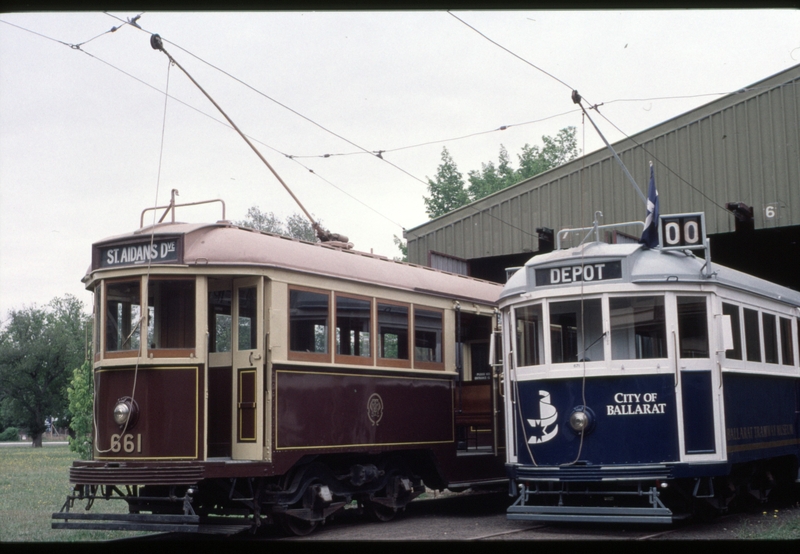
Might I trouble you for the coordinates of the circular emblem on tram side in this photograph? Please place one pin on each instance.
(375, 408)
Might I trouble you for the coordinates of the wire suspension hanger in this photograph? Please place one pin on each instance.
(323, 234)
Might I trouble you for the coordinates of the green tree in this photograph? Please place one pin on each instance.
(39, 348)
(556, 151)
(80, 394)
(296, 225)
(403, 247)
(447, 190)
(491, 179)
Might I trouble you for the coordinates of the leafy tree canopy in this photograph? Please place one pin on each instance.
(448, 192)
(296, 225)
(39, 349)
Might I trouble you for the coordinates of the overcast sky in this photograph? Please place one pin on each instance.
(81, 150)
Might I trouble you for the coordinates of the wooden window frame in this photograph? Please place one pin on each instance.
(392, 362)
(294, 355)
(417, 364)
(348, 358)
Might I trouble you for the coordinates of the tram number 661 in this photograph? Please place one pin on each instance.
(682, 231)
(126, 443)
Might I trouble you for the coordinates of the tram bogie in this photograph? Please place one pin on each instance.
(245, 374)
(647, 384)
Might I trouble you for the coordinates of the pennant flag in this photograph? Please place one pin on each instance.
(650, 233)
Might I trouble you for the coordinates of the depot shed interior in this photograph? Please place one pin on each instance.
(737, 159)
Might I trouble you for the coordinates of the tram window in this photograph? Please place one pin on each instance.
(353, 326)
(638, 328)
(770, 338)
(171, 305)
(220, 320)
(123, 312)
(308, 321)
(736, 352)
(392, 331)
(693, 327)
(529, 335)
(248, 323)
(787, 347)
(752, 335)
(576, 327)
(427, 337)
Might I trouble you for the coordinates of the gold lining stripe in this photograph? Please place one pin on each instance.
(196, 370)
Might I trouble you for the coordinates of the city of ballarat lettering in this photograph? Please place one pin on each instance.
(579, 272)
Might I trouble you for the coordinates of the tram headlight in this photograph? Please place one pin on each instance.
(126, 411)
(122, 411)
(582, 420)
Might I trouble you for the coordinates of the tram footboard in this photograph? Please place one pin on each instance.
(531, 505)
(158, 523)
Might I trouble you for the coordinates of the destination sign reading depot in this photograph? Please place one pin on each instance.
(160, 251)
(601, 271)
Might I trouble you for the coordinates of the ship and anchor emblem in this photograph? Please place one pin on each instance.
(546, 427)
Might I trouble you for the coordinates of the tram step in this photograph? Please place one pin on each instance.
(158, 523)
(591, 514)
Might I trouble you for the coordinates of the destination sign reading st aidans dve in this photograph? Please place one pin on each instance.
(158, 252)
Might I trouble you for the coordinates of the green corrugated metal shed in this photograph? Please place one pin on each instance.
(744, 147)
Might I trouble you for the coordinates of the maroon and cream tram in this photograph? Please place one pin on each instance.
(240, 373)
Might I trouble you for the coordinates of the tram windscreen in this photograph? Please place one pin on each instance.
(638, 328)
(529, 335)
(576, 327)
(123, 316)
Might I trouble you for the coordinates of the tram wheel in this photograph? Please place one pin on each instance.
(296, 526)
(379, 512)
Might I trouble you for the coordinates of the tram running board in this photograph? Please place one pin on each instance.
(593, 514)
(157, 523)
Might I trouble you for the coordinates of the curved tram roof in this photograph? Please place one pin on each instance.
(641, 265)
(224, 244)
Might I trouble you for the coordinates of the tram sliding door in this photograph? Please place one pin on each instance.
(248, 375)
(698, 382)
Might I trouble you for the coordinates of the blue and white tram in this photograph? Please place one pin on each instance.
(645, 384)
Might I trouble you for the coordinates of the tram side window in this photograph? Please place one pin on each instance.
(529, 335)
(638, 328)
(353, 326)
(308, 321)
(172, 308)
(123, 311)
(576, 328)
(736, 352)
(693, 327)
(220, 320)
(787, 347)
(427, 336)
(392, 331)
(770, 338)
(752, 335)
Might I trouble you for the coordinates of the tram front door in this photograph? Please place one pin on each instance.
(248, 369)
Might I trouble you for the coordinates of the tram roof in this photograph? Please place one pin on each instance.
(647, 266)
(226, 244)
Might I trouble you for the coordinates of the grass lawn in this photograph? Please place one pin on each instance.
(34, 483)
